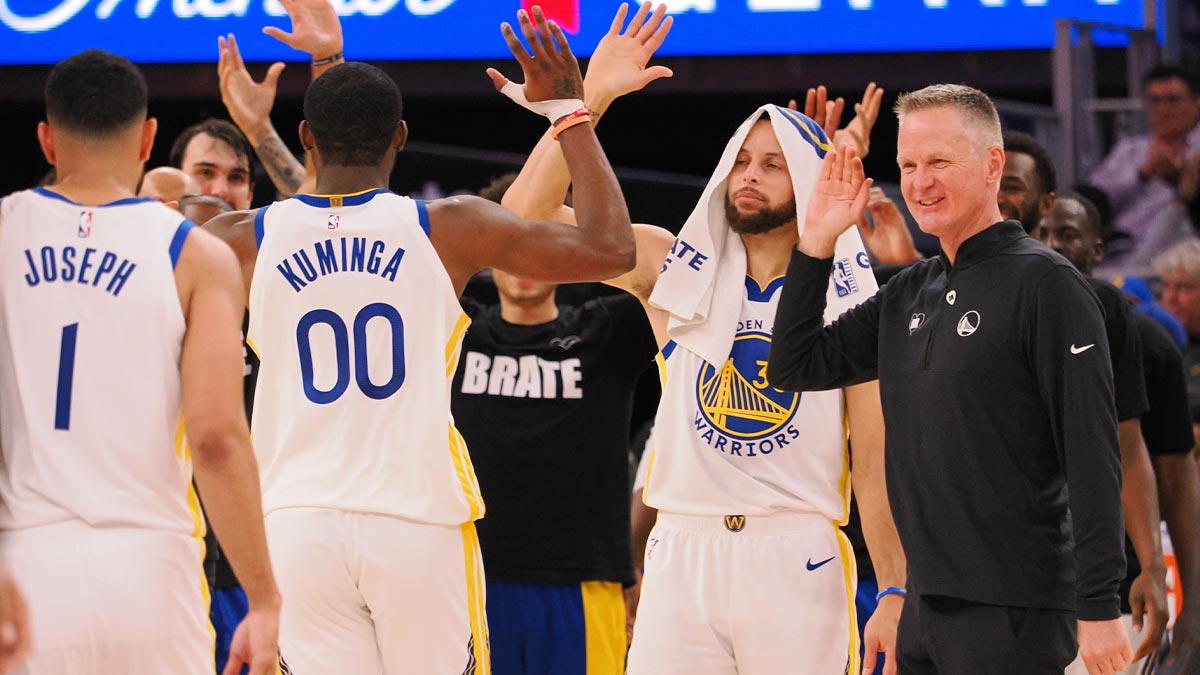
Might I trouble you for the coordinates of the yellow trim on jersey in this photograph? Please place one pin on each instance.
(661, 361)
(808, 132)
(250, 344)
(649, 472)
(454, 344)
(762, 288)
(466, 474)
(850, 574)
(476, 592)
(604, 627)
(845, 483)
(349, 194)
(184, 453)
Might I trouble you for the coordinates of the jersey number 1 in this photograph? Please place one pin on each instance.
(66, 377)
(341, 341)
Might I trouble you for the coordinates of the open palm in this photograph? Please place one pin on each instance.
(839, 198)
(618, 64)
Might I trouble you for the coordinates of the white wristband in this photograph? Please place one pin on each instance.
(554, 109)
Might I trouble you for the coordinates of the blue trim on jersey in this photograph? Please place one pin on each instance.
(181, 235)
(423, 215)
(323, 201)
(668, 349)
(755, 293)
(260, 225)
(120, 202)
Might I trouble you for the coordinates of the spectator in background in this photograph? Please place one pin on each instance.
(217, 155)
(1141, 175)
(1179, 268)
(1139, 293)
(1072, 229)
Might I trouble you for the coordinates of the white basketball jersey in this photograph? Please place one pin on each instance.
(358, 329)
(91, 332)
(726, 442)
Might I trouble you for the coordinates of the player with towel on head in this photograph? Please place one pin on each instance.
(750, 482)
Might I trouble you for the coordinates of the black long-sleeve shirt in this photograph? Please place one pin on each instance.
(1003, 468)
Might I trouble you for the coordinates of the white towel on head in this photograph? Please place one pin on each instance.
(703, 279)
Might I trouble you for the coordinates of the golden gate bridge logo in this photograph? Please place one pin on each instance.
(737, 399)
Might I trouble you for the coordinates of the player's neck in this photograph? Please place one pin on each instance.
(529, 315)
(768, 254)
(345, 180)
(94, 181)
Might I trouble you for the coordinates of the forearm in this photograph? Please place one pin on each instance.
(805, 354)
(1179, 494)
(600, 209)
(227, 475)
(541, 187)
(1139, 497)
(285, 170)
(870, 490)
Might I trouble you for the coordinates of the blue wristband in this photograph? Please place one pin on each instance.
(891, 590)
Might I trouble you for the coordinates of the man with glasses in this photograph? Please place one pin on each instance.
(1141, 174)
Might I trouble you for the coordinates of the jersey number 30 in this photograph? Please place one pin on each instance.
(341, 341)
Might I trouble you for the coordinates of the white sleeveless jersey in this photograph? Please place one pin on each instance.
(726, 442)
(91, 332)
(358, 329)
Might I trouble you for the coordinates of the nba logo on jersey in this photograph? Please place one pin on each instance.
(334, 222)
(843, 278)
(85, 224)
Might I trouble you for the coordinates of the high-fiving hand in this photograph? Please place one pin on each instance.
(618, 65)
(837, 202)
(551, 73)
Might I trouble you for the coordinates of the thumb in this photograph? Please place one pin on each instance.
(279, 34)
(655, 72)
(272, 76)
(498, 80)
(1138, 606)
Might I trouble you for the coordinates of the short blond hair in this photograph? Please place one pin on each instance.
(972, 103)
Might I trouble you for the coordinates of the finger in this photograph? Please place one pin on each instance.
(545, 36)
(1145, 649)
(660, 33)
(651, 26)
(638, 19)
(869, 658)
(233, 665)
(859, 206)
(531, 37)
(619, 19)
(235, 54)
(889, 666)
(222, 57)
(281, 35)
(827, 164)
(822, 97)
(792, 104)
(834, 119)
(497, 79)
(514, 45)
(272, 76)
(840, 168)
(655, 72)
(561, 39)
(810, 103)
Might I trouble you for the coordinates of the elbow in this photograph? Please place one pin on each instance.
(615, 257)
(782, 377)
(216, 450)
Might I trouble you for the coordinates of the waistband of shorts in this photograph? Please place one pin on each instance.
(786, 521)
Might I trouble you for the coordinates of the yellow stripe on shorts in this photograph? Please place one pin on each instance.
(604, 627)
(850, 574)
(476, 595)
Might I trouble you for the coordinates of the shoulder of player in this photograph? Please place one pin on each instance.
(207, 254)
(459, 211)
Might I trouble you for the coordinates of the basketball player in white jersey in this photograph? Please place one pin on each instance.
(368, 489)
(118, 321)
(745, 571)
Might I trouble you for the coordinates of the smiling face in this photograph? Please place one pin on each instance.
(216, 166)
(1021, 196)
(759, 196)
(949, 173)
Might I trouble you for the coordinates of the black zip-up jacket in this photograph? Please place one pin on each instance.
(1003, 468)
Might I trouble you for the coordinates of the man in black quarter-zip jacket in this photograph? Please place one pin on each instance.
(1003, 468)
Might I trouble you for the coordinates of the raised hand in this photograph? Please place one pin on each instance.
(551, 73)
(249, 102)
(618, 65)
(315, 28)
(822, 111)
(866, 113)
(887, 237)
(838, 201)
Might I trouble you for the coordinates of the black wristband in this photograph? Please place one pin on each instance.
(328, 59)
